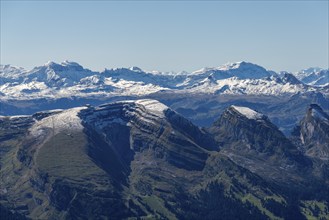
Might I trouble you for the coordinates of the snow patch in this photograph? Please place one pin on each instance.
(18, 116)
(249, 113)
(66, 120)
(153, 106)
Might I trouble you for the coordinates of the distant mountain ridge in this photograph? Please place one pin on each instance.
(59, 80)
(314, 76)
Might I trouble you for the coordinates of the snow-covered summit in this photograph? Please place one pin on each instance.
(238, 65)
(242, 70)
(55, 74)
(247, 112)
(246, 70)
(64, 65)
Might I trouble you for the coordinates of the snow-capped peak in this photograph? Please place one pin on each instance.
(247, 112)
(52, 74)
(65, 63)
(246, 70)
(238, 65)
(242, 70)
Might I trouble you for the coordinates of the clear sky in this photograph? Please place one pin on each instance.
(165, 35)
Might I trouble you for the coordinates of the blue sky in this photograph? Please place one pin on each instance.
(165, 35)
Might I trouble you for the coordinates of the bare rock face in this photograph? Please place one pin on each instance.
(136, 126)
(313, 132)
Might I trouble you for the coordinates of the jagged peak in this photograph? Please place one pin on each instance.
(247, 112)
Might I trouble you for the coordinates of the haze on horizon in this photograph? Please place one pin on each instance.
(166, 35)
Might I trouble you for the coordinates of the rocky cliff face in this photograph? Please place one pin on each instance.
(149, 125)
(313, 132)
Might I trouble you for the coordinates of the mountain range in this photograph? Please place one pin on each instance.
(233, 142)
(140, 158)
(66, 79)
